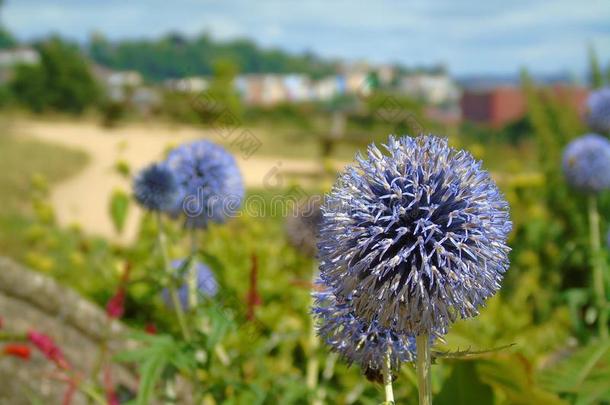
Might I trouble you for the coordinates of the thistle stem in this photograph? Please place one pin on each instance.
(313, 363)
(387, 378)
(171, 288)
(598, 268)
(423, 369)
(192, 272)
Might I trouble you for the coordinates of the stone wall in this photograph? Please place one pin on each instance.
(30, 300)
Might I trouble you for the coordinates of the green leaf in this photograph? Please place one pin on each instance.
(119, 207)
(464, 386)
(512, 375)
(584, 374)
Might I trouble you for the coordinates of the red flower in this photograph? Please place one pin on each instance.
(115, 308)
(111, 397)
(150, 328)
(116, 305)
(48, 348)
(16, 350)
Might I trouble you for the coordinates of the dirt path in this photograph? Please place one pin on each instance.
(83, 199)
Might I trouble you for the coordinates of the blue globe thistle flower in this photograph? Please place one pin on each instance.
(212, 182)
(156, 188)
(598, 106)
(206, 283)
(415, 238)
(358, 341)
(586, 163)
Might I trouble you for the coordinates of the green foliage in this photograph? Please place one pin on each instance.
(581, 376)
(119, 208)
(176, 56)
(464, 387)
(596, 77)
(61, 81)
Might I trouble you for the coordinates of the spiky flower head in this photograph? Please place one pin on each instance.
(586, 163)
(303, 224)
(156, 188)
(356, 340)
(206, 282)
(416, 237)
(598, 106)
(212, 182)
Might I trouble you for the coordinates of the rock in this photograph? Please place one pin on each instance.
(30, 300)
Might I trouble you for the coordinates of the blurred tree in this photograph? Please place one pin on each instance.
(221, 90)
(62, 81)
(595, 72)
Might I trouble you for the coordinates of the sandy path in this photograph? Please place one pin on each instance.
(83, 198)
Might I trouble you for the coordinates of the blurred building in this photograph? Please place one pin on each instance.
(118, 85)
(9, 58)
(432, 88)
(498, 106)
(194, 84)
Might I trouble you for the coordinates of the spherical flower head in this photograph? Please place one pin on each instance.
(206, 283)
(156, 188)
(302, 225)
(586, 163)
(356, 340)
(212, 183)
(598, 106)
(416, 237)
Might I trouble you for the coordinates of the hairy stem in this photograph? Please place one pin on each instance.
(192, 272)
(598, 268)
(423, 369)
(387, 378)
(172, 288)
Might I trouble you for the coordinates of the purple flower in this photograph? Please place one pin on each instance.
(416, 237)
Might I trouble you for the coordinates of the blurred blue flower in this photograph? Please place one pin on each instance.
(156, 188)
(206, 283)
(586, 163)
(212, 183)
(358, 341)
(598, 105)
(415, 238)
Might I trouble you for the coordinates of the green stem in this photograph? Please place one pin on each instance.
(387, 378)
(423, 369)
(598, 268)
(172, 288)
(313, 364)
(192, 272)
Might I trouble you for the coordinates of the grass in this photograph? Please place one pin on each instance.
(23, 159)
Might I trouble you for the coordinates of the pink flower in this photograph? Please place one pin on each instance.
(48, 348)
(116, 305)
(111, 397)
(115, 308)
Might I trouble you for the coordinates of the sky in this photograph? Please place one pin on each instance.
(469, 37)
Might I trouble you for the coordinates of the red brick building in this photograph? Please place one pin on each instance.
(501, 105)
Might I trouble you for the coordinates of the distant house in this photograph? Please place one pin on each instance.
(118, 85)
(495, 107)
(430, 88)
(261, 89)
(9, 58)
(194, 84)
(498, 106)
